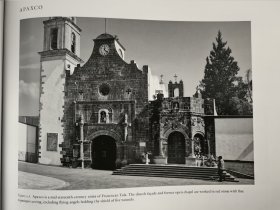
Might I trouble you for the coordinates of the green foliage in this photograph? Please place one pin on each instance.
(221, 82)
(239, 106)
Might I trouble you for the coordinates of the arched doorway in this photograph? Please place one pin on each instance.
(103, 152)
(176, 148)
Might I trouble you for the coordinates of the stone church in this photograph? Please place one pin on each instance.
(100, 114)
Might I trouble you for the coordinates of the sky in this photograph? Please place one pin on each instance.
(167, 47)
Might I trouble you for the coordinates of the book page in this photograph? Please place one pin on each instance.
(140, 105)
(1, 65)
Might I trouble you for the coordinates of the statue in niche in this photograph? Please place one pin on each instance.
(125, 118)
(103, 117)
(176, 105)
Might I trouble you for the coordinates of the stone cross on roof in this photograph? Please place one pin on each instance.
(175, 76)
(161, 79)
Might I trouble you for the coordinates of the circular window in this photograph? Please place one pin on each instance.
(104, 89)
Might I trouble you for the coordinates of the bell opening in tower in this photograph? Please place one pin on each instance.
(54, 33)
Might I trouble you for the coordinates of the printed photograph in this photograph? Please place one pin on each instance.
(118, 103)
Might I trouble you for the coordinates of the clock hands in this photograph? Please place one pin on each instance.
(104, 49)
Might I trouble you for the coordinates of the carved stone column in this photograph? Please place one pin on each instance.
(82, 141)
(124, 146)
(192, 148)
(191, 159)
(208, 145)
(161, 158)
(125, 127)
(160, 148)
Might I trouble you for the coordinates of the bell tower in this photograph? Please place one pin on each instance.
(61, 54)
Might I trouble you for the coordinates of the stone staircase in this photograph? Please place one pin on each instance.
(172, 171)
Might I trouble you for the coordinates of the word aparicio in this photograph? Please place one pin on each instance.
(31, 8)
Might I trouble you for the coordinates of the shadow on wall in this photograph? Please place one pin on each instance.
(249, 149)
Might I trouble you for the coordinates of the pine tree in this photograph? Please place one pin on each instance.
(221, 82)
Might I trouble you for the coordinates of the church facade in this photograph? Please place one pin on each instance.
(100, 115)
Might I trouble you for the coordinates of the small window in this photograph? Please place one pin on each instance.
(175, 105)
(54, 35)
(186, 107)
(104, 89)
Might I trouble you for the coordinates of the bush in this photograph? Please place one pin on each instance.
(124, 163)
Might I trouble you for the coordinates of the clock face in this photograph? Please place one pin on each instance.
(104, 49)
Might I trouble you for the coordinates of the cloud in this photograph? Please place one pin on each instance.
(33, 66)
(29, 89)
(28, 41)
(29, 56)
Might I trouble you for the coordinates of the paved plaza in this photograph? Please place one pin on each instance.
(36, 176)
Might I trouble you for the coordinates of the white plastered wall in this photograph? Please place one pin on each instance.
(26, 140)
(51, 113)
(234, 138)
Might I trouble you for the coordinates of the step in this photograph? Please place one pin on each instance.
(172, 171)
(163, 169)
(188, 177)
(169, 166)
(175, 174)
(149, 169)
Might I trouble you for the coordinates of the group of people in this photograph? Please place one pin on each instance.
(202, 160)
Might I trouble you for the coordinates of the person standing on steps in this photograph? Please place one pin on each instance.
(221, 168)
(147, 158)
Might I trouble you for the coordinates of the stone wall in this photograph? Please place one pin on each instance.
(176, 114)
(107, 82)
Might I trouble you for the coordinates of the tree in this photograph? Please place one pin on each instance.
(248, 81)
(221, 82)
